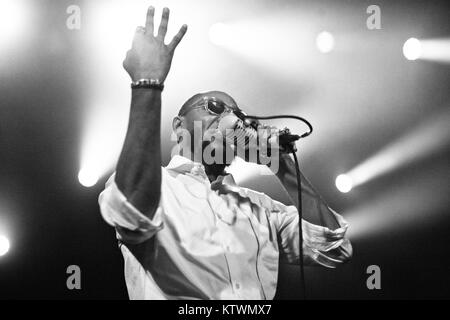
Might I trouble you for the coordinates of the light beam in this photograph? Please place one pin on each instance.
(427, 49)
(4, 245)
(428, 137)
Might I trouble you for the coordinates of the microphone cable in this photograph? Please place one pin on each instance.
(299, 189)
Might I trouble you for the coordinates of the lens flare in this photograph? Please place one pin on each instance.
(412, 49)
(87, 178)
(325, 42)
(344, 183)
(14, 17)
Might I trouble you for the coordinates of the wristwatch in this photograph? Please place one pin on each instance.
(147, 84)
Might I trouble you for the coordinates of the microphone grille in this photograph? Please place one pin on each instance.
(237, 131)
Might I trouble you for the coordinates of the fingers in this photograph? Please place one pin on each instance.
(177, 38)
(149, 20)
(163, 25)
(162, 30)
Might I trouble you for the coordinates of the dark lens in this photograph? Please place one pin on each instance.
(240, 114)
(216, 107)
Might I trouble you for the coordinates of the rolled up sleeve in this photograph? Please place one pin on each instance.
(132, 226)
(321, 246)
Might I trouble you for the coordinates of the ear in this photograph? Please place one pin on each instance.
(177, 123)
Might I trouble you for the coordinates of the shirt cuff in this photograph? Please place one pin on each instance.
(322, 238)
(326, 247)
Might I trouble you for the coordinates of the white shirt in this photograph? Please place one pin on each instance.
(202, 245)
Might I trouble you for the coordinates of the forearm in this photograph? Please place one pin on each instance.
(138, 172)
(315, 210)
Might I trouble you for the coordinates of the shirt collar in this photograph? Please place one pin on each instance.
(182, 164)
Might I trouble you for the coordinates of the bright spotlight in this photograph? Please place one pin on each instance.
(87, 178)
(325, 42)
(344, 183)
(220, 34)
(412, 49)
(4, 245)
(13, 18)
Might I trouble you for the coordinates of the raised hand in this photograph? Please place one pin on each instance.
(149, 57)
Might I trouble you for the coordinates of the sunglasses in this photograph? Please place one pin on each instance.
(217, 107)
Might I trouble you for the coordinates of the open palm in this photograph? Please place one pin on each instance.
(149, 57)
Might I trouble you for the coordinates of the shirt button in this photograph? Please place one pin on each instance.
(238, 286)
(228, 248)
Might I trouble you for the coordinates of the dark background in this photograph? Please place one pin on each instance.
(46, 84)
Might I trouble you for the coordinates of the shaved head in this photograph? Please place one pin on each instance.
(195, 99)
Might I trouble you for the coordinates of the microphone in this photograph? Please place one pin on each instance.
(246, 135)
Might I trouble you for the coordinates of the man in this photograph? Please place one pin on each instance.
(187, 231)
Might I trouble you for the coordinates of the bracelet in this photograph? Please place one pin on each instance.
(147, 84)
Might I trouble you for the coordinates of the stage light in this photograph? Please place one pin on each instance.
(427, 49)
(13, 21)
(87, 178)
(344, 183)
(220, 34)
(325, 42)
(4, 245)
(412, 49)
